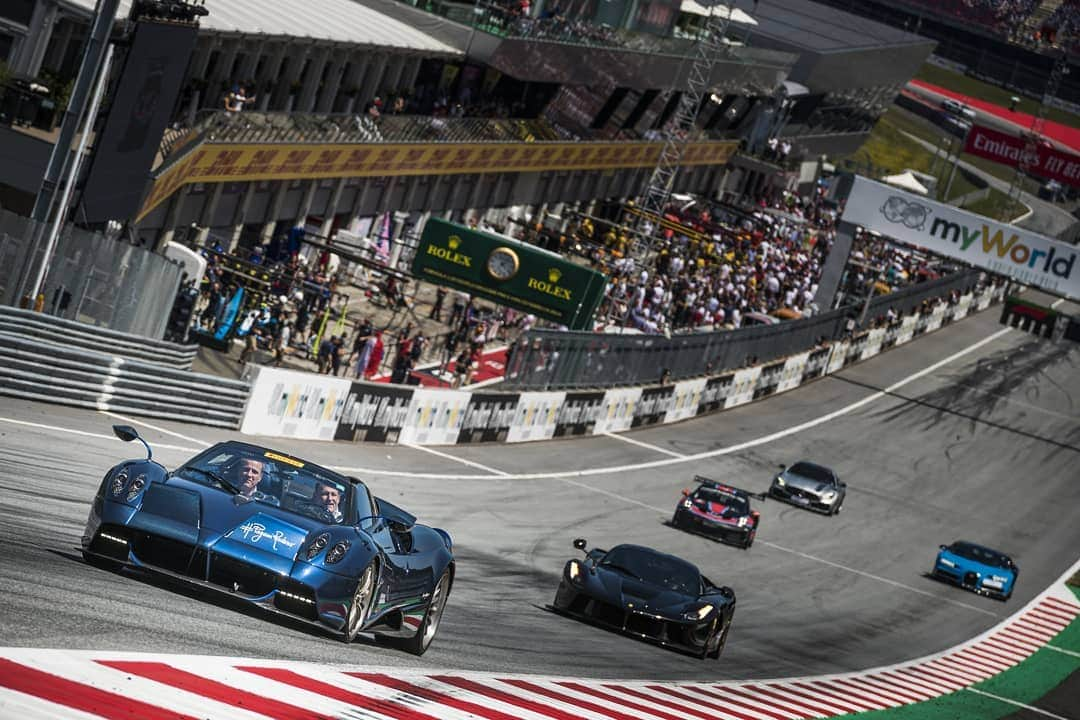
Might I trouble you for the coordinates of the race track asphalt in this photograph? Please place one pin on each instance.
(984, 447)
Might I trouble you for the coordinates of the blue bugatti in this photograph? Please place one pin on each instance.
(976, 568)
(279, 532)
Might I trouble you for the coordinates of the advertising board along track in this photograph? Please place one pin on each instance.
(287, 403)
(1024, 256)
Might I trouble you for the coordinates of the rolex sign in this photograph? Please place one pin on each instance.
(508, 272)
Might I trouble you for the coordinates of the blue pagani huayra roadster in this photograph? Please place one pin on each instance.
(279, 532)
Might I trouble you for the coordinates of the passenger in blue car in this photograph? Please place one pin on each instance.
(328, 498)
(249, 473)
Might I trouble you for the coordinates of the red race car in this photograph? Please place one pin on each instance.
(718, 511)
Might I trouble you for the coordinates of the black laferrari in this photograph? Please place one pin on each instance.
(647, 594)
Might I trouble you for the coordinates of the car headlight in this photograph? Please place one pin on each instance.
(136, 487)
(947, 562)
(575, 571)
(687, 503)
(828, 495)
(336, 553)
(317, 545)
(118, 482)
(780, 480)
(700, 614)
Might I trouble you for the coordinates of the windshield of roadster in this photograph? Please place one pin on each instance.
(263, 476)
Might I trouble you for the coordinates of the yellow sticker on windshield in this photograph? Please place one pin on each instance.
(282, 458)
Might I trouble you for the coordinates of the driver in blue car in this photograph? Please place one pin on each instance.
(249, 473)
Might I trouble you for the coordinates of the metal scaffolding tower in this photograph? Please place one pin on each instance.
(643, 220)
(679, 131)
(1034, 135)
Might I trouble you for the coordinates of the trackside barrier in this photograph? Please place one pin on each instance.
(562, 360)
(288, 403)
(72, 334)
(36, 369)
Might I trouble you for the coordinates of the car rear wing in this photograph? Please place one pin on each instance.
(716, 484)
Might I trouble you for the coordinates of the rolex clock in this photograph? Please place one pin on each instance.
(503, 264)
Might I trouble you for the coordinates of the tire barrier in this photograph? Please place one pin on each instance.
(37, 369)
(288, 403)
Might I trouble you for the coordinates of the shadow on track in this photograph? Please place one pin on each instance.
(986, 388)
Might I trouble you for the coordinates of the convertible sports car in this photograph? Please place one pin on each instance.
(810, 486)
(279, 532)
(647, 594)
(718, 511)
(976, 568)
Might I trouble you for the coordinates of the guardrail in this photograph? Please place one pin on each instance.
(72, 335)
(36, 369)
(553, 360)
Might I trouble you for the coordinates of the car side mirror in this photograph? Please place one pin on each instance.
(128, 433)
(782, 466)
(397, 526)
(125, 432)
(580, 544)
(943, 547)
(686, 492)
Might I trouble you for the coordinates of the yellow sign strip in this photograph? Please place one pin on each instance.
(212, 163)
(282, 458)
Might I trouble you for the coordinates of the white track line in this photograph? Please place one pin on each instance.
(84, 433)
(448, 456)
(763, 440)
(1055, 648)
(645, 445)
(894, 583)
(1014, 703)
(155, 427)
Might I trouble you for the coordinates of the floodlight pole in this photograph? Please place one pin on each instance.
(73, 174)
(59, 160)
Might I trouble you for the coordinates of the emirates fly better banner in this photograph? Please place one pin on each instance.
(1006, 249)
(1008, 149)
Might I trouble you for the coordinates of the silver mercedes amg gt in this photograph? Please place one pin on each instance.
(811, 486)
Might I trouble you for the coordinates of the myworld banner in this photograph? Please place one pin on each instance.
(1007, 149)
(1006, 249)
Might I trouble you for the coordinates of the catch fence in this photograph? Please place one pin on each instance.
(552, 360)
(93, 279)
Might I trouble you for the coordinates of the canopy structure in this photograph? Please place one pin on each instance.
(907, 181)
(737, 16)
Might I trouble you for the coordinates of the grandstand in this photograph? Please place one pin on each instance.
(388, 77)
(1011, 43)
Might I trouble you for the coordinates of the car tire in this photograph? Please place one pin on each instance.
(836, 510)
(749, 540)
(362, 601)
(715, 654)
(429, 626)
